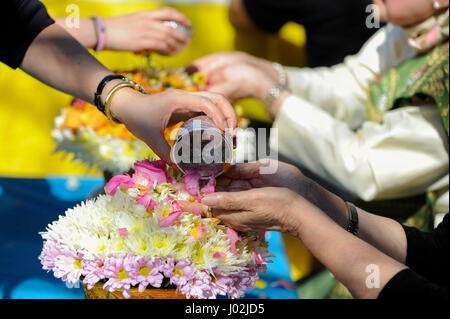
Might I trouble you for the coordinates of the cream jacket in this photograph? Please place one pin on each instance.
(322, 126)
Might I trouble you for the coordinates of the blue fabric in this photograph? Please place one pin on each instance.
(28, 205)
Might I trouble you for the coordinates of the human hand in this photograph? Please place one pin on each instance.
(145, 30)
(147, 116)
(246, 176)
(239, 81)
(212, 63)
(244, 80)
(260, 209)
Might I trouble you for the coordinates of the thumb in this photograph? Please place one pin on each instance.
(226, 201)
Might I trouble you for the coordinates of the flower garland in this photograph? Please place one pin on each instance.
(83, 131)
(149, 228)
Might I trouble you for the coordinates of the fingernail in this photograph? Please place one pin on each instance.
(210, 200)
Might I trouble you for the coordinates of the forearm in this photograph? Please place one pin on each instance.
(85, 33)
(383, 233)
(58, 60)
(349, 258)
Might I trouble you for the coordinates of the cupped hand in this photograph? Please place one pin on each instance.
(247, 176)
(260, 209)
(145, 31)
(147, 116)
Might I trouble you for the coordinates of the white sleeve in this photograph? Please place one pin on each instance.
(341, 90)
(401, 157)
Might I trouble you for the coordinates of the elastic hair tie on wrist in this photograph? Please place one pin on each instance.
(100, 33)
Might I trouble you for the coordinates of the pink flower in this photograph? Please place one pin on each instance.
(192, 183)
(197, 212)
(170, 220)
(201, 286)
(122, 232)
(259, 259)
(78, 102)
(48, 255)
(92, 272)
(197, 233)
(118, 181)
(67, 266)
(241, 282)
(176, 206)
(121, 274)
(147, 172)
(182, 273)
(147, 202)
(219, 255)
(167, 267)
(149, 273)
(220, 284)
(233, 237)
(210, 186)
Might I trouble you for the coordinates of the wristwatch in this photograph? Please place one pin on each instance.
(353, 222)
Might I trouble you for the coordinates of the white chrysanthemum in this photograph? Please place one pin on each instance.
(117, 225)
(107, 153)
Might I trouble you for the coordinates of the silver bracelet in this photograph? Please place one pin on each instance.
(282, 75)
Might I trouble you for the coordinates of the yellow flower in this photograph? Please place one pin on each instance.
(199, 78)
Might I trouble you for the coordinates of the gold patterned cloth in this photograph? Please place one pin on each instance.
(421, 80)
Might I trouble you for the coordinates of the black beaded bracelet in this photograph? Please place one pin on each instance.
(101, 86)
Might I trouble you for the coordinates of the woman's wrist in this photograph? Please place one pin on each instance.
(301, 212)
(124, 100)
(329, 203)
(268, 68)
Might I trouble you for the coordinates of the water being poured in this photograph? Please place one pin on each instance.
(200, 147)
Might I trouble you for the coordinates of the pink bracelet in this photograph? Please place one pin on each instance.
(100, 32)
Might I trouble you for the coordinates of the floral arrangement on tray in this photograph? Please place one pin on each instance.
(149, 231)
(83, 131)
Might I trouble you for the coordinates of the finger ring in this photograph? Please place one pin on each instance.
(179, 26)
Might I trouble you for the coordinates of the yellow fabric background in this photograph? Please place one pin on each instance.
(28, 107)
